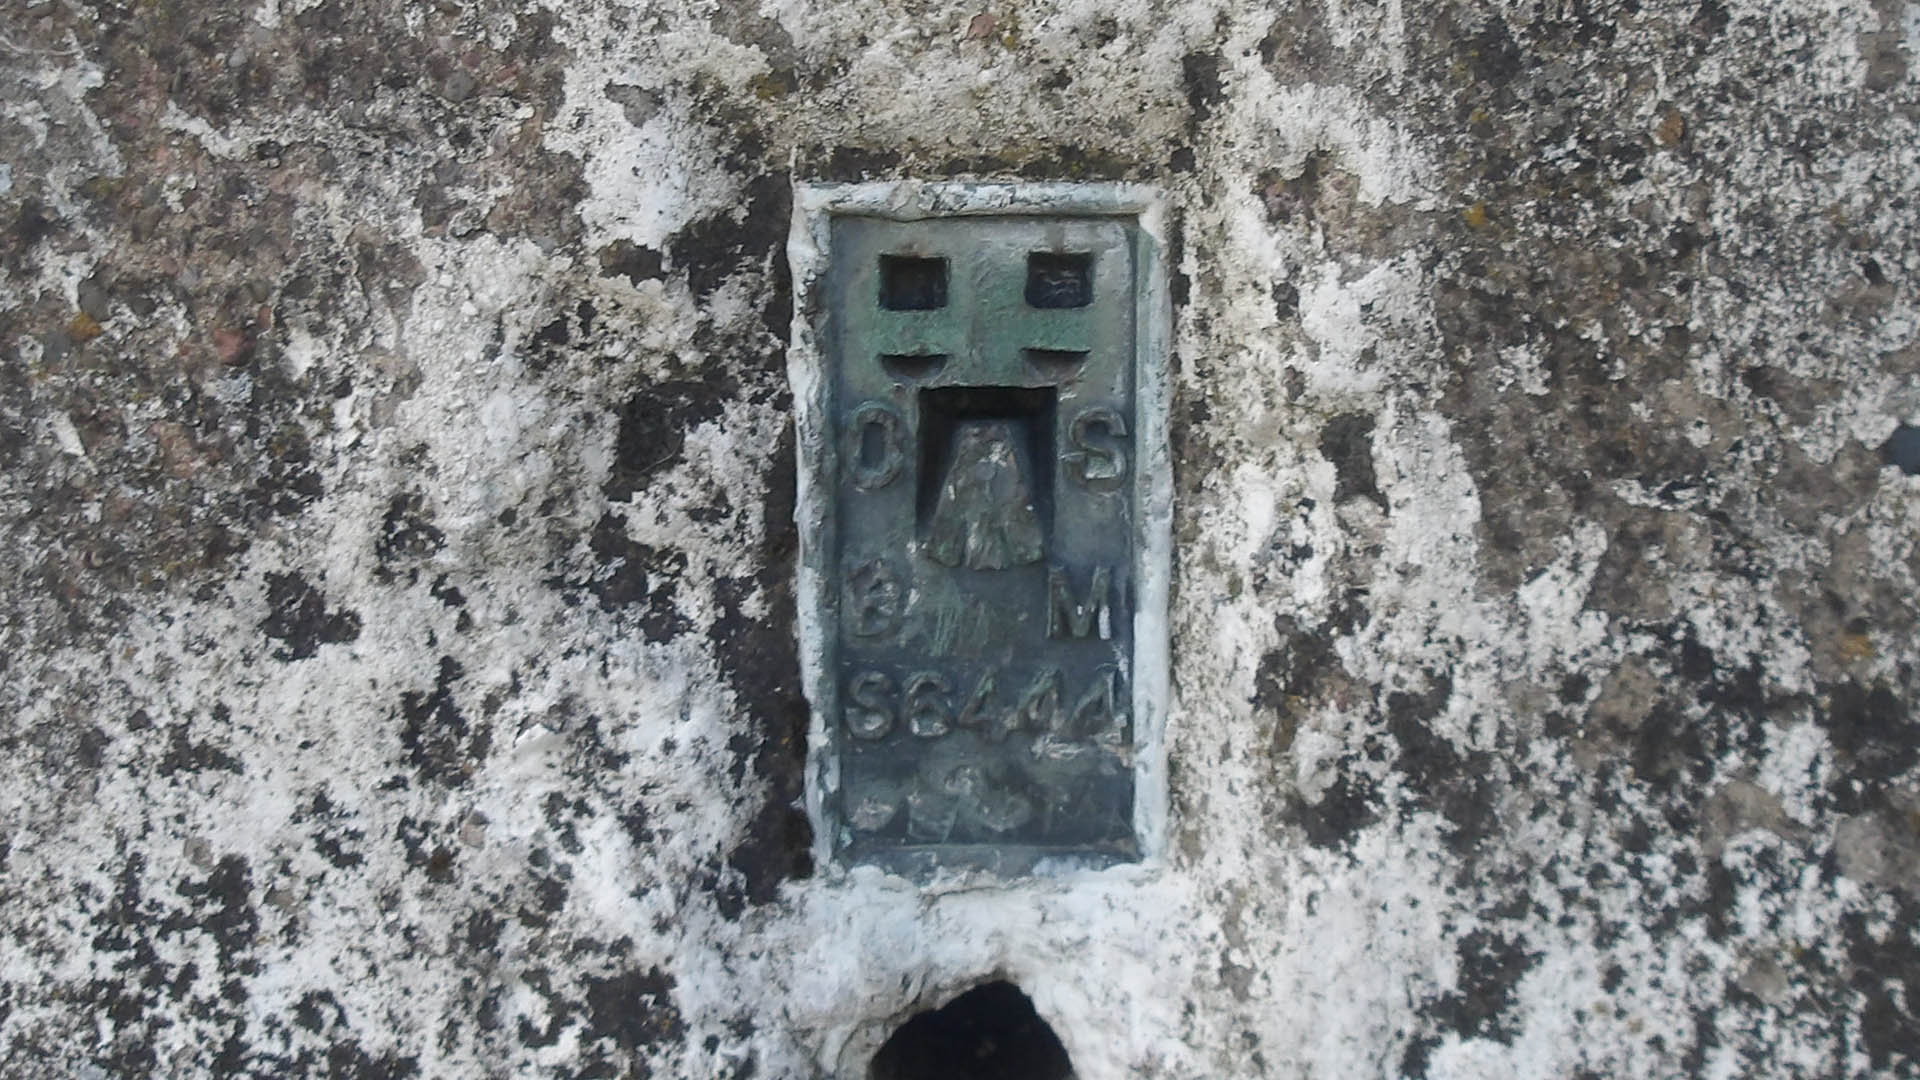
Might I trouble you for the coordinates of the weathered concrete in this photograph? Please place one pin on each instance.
(399, 666)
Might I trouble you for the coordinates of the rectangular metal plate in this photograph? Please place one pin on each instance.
(984, 453)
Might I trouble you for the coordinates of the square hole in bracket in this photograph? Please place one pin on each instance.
(1059, 279)
(912, 283)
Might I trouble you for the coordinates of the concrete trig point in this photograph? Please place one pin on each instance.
(979, 375)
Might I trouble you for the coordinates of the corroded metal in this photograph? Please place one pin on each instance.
(982, 549)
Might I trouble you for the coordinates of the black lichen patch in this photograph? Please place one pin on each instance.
(1414, 1059)
(298, 618)
(776, 848)
(1671, 748)
(140, 978)
(1294, 678)
(1287, 198)
(348, 1060)
(654, 423)
(1889, 1032)
(1277, 679)
(761, 660)
(1350, 804)
(439, 740)
(1491, 967)
(1300, 675)
(1297, 669)
(634, 822)
(435, 860)
(561, 813)
(89, 746)
(548, 891)
(566, 332)
(1347, 441)
(1461, 787)
(559, 1011)
(633, 574)
(1200, 74)
(1298, 47)
(716, 247)
(635, 262)
(331, 838)
(1672, 733)
(636, 1011)
(290, 482)
(407, 537)
(1736, 693)
(184, 754)
(317, 1010)
(31, 224)
(1060, 161)
(481, 933)
(1873, 730)
(222, 907)
(447, 594)
(855, 163)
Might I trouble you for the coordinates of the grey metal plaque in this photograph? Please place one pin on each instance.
(984, 531)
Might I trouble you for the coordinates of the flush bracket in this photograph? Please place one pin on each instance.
(984, 505)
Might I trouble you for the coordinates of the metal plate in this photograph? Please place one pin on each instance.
(983, 541)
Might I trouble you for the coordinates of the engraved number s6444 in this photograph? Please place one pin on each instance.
(1040, 704)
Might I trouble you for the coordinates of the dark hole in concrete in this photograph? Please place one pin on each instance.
(1059, 279)
(912, 365)
(1902, 448)
(911, 283)
(988, 1033)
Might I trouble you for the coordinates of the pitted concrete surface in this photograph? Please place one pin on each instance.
(399, 673)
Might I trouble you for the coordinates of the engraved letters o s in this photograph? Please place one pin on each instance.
(875, 446)
(1093, 464)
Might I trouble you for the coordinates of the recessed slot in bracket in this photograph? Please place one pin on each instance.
(1056, 361)
(912, 365)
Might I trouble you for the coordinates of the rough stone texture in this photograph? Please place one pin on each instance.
(398, 670)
